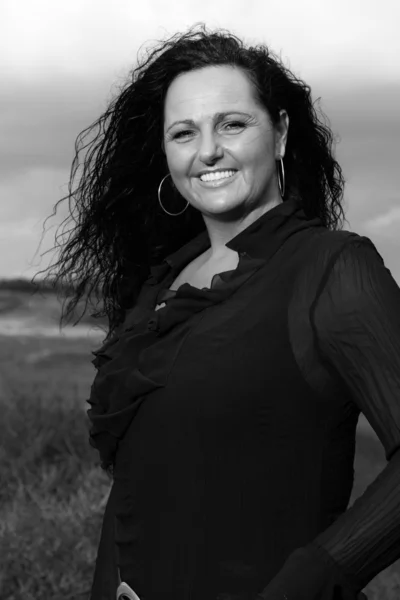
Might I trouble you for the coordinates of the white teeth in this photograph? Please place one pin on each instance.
(215, 176)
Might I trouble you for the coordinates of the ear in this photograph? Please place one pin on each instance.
(282, 130)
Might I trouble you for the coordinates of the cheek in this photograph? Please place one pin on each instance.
(177, 160)
(258, 164)
(254, 152)
(178, 168)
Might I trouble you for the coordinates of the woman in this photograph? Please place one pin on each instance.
(247, 332)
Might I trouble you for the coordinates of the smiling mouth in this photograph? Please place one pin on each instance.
(216, 176)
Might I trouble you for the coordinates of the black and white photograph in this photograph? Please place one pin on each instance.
(199, 300)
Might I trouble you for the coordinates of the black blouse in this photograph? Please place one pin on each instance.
(231, 416)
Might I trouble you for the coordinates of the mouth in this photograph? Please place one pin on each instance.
(217, 178)
(217, 175)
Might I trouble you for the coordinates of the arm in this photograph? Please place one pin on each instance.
(356, 323)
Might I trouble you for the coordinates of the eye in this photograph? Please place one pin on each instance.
(182, 134)
(231, 125)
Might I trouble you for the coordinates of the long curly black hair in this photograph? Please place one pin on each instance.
(117, 229)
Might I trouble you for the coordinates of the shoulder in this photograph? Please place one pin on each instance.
(353, 279)
(338, 267)
(341, 250)
(338, 240)
(350, 252)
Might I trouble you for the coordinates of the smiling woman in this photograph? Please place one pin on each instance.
(239, 355)
(122, 229)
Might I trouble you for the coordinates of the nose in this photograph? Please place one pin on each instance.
(210, 149)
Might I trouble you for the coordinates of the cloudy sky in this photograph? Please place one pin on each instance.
(59, 62)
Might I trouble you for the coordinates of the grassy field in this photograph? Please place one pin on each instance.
(52, 492)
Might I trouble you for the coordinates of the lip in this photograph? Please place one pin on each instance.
(218, 182)
(219, 170)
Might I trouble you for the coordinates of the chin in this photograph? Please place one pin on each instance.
(232, 211)
(222, 202)
(221, 207)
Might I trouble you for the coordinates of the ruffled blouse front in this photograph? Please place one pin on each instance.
(140, 357)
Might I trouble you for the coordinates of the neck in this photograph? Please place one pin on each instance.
(222, 231)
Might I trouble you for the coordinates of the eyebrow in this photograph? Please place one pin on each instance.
(217, 117)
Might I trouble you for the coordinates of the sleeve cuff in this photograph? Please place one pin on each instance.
(310, 573)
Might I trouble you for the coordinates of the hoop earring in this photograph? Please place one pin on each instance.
(281, 185)
(159, 199)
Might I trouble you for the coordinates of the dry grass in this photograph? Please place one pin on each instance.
(52, 493)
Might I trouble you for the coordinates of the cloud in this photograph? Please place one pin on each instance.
(19, 243)
(39, 120)
(386, 224)
(26, 199)
(19, 230)
(31, 194)
(80, 36)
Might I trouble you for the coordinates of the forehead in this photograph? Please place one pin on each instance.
(205, 91)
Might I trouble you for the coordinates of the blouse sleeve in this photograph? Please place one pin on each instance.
(356, 323)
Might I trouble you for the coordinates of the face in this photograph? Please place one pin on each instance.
(220, 143)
